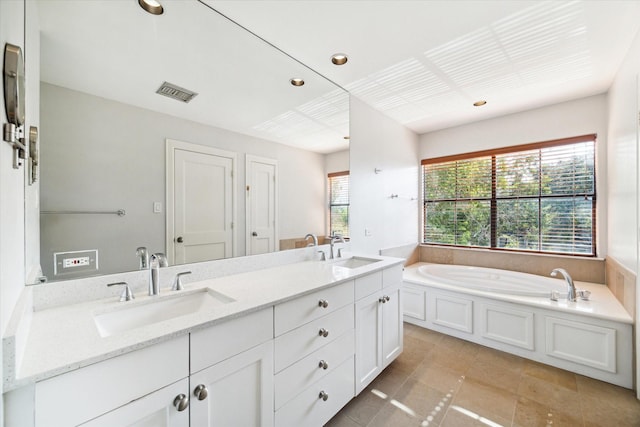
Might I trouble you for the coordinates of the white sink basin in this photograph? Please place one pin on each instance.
(354, 262)
(157, 310)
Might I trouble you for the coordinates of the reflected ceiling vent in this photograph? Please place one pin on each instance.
(176, 92)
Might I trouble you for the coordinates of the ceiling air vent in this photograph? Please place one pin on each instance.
(176, 92)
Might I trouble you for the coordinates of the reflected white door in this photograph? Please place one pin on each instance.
(261, 174)
(200, 208)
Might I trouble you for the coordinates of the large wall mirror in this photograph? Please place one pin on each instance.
(124, 167)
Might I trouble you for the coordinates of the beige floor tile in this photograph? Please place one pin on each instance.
(363, 407)
(413, 354)
(485, 400)
(530, 413)
(507, 361)
(600, 412)
(618, 397)
(421, 400)
(454, 360)
(547, 393)
(438, 377)
(422, 334)
(496, 375)
(390, 415)
(341, 420)
(550, 374)
(460, 417)
(390, 380)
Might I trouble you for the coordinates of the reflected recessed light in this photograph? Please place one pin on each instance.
(297, 82)
(479, 103)
(152, 6)
(339, 59)
(346, 137)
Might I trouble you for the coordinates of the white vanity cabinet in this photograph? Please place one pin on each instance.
(378, 312)
(112, 390)
(232, 373)
(314, 351)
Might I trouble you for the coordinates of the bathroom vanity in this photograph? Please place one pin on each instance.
(283, 346)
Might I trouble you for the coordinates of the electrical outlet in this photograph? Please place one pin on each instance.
(367, 232)
(157, 207)
(75, 263)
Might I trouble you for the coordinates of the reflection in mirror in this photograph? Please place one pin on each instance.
(240, 169)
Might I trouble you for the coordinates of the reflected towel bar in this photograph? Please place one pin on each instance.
(119, 212)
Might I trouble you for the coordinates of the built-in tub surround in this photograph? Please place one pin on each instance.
(584, 269)
(61, 338)
(622, 283)
(489, 307)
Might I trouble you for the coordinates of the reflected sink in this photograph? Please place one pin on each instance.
(157, 310)
(354, 262)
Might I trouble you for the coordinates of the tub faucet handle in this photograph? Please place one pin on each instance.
(584, 294)
(555, 295)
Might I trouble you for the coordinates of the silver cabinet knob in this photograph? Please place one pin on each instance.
(324, 396)
(323, 303)
(384, 299)
(323, 332)
(387, 298)
(179, 239)
(201, 392)
(381, 299)
(181, 402)
(324, 365)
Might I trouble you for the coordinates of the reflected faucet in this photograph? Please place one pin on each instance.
(143, 254)
(314, 237)
(156, 261)
(334, 239)
(571, 289)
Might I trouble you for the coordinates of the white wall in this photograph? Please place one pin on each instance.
(11, 183)
(623, 173)
(573, 118)
(378, 142)
(336, 162)
(129, 145)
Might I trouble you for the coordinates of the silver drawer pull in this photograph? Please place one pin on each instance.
(201, 392)
(324, 396)
(323, 303)
(181, 402)
(323, 332)
(324, 365)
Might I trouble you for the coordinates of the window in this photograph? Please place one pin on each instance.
(339, 203)
(536, 197)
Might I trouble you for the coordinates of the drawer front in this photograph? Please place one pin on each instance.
(309, 409)
(112, 383)
(392, 275)
(219, 342)
(294, 345)
(312, 368)
(297, 312)
(368, 284)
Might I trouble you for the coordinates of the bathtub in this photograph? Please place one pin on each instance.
(513, 312)
(494, 280)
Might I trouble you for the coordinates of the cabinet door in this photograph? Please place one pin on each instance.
(153, 410)
(368, 340)
(392, 326)
(238, 391)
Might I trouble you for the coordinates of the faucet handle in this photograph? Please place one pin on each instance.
(323, 257)
(126, 294)
(177, 283)
(339, 252)
(584, 294)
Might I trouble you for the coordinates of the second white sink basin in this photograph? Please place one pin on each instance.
(355, 262)
(153, 311)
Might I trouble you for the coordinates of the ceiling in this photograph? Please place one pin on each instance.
(424, 63)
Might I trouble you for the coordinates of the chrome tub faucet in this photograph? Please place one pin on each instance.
(571, 289)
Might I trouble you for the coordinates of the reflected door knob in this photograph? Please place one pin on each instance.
(181, 402)
(179, 239)
(254, 234)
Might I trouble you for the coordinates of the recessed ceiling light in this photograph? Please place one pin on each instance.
(297, 82)
(152, 6)
(339, 59)
(479, 103)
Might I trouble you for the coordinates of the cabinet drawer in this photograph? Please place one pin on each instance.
(294, 345)
(297, 312)
(308, 409)
(63, 401)
(219, 342)
(305, 372)
(392, 275)
(368, 284)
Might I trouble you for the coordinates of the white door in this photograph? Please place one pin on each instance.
(239, 391)
(153, 410)
(261, 205)
(200, 203)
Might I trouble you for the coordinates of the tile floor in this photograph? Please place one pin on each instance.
(444, 381)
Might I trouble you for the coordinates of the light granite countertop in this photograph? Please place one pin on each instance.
(602, 303)
(65, 338)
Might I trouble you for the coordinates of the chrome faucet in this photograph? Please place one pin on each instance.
(571, 289)
(156, 261)
(143, 254)
(333, 240)
(314, 237)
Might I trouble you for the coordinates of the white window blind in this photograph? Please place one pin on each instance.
(339, 203)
